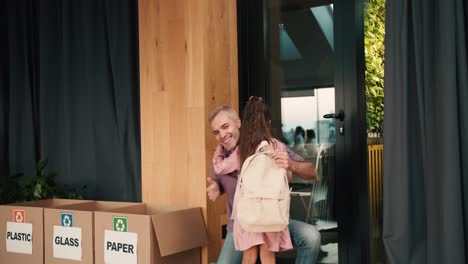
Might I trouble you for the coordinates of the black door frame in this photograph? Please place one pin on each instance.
(352, 207)
(352, 182)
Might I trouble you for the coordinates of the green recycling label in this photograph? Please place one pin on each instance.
(120, 223)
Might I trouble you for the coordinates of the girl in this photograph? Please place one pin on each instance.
(255, 129)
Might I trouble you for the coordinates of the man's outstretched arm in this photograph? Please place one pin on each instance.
(304, 169)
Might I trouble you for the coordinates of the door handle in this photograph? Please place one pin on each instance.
(339, 116)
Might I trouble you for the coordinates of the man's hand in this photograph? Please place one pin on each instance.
(281, 159)
(212, 189)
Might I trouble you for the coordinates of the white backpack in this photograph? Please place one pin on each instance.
(262, 198)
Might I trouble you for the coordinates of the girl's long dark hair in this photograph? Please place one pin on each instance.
(255, 127)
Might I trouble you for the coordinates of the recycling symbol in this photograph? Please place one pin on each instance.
(120, 225)
(66, 221)
(19, 217)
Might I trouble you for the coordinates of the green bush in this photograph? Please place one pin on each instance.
(19, 187)
(374, 36)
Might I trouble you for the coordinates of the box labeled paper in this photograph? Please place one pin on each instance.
(149, 234)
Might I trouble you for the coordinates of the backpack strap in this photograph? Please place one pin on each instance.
(263, 144)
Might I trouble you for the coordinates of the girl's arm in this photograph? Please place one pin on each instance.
(225, 165)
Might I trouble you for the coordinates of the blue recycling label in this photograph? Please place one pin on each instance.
(66, 219)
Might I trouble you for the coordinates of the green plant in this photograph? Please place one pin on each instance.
(19, 187)
(374, 36)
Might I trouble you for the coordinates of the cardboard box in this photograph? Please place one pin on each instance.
(21, 230)
(149, 234)
(68, 231)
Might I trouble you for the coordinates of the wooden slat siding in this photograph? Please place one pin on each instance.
(188, 66)
(375, 172)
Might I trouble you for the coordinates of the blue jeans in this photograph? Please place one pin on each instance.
(229, 254)
(305, 239)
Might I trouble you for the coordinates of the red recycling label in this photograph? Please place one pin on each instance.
(18, 216)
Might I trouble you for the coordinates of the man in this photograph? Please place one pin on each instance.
(226, 125)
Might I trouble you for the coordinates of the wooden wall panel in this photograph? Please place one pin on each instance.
(221, 88)
(188, 66)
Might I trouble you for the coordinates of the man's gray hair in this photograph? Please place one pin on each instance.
(232, 113)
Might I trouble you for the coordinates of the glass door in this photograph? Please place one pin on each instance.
(301, 44)
(304, 57)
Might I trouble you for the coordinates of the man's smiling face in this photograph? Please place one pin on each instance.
(226, 129)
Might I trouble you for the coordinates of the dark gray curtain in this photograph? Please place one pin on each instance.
(70, 93)
(426, 132)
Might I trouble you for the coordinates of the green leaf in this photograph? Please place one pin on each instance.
(41, 165)
(38, 191)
